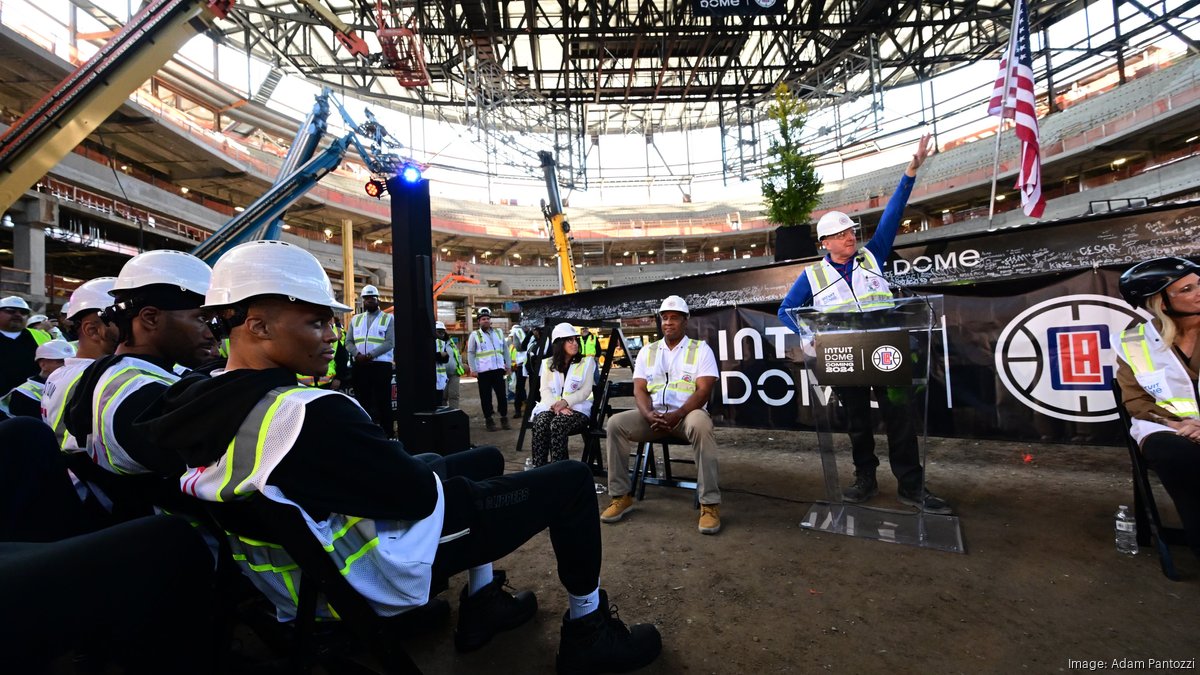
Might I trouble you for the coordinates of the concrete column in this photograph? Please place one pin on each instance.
(29, 244)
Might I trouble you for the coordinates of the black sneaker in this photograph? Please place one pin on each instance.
(601, 643)
(490, 611)
(491, 424)
(504, 424)
(930, 503)
(864, 488)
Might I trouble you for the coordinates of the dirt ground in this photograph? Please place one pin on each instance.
(1040, 586)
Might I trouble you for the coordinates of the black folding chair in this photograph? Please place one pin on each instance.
(645, 468)
(263, 519)
(1145, 509)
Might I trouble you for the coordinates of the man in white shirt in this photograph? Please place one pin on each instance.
(672, 382)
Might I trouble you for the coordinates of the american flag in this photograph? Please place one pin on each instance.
(1018, 104)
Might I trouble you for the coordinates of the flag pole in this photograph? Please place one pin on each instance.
(1008, 67)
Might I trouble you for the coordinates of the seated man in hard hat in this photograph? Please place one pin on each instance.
(672, 382)
(160, 325)
(850, 279)
(26, 400)
(370, 340)
(17, 343)
(383, 514)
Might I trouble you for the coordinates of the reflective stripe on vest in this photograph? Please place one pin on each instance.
(27, 388)
(497, 351)
(40, 336)
(1158, 370)
(117, 384)
(865, 291)
(59, 424)
(439, 367)
(658, 380)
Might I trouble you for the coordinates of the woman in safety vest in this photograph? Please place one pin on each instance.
(1157, 370)
(566, 396)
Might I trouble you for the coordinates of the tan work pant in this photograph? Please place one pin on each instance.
(628, 428)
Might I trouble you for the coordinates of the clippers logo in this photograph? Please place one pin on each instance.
(886, 358)
(1057, 358)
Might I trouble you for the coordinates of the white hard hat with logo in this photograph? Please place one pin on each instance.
(439, 325)
(91, 295)
(54, 349)
(14, 302)
(171, 268)
(270, 268)
(563, 330)
(833, 223)
(369, 291)
(673, 303)
(483, 311)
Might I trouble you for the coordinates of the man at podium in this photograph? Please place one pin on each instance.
(850, 279)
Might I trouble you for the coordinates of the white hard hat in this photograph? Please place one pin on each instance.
(66, 308)
(173, 268)
(270, 268)
(833, 223)
(483, 311)
(90, 295)
(369, 291)
(14, 302)
(673, 303)
(36, 319)
(439, 325)
(54, 349)
(563, 330)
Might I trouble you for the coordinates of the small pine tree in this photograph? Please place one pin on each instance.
(790, 186)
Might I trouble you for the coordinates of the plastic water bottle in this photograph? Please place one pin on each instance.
(1126, 529)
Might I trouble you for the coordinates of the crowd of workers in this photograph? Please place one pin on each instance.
(228, 383)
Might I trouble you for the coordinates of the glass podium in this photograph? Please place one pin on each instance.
(887, 352)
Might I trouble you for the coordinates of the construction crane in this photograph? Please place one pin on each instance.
(560, 229)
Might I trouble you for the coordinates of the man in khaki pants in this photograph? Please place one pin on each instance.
(672, 381)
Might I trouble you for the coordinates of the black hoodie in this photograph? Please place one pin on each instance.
(340, 463)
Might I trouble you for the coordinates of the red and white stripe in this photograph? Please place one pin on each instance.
(1018, 104)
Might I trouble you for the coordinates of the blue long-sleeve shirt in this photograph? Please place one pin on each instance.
(880, 246)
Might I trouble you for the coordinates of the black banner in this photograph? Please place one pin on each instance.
(861, 359)
(737, 7)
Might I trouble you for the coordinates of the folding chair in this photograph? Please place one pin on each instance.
(260, 518)
(1145, 509)
(645, 468)
(602, 409)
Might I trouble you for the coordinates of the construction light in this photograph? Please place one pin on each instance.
(411, 173)
(375, 188)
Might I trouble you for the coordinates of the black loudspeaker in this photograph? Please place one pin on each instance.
(444, 431)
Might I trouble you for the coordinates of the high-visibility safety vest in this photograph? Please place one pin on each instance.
(117, 384)
(366, 339)
(1160, 373)
(587, 344)
(439, 367)
(455, 358)
(223, 348)
(389, 562)
(330, 372)
(488, 350)
(59, 388)
(29, 388)
(578, 376)
(670, 390)
(867, 291)
(40, 336)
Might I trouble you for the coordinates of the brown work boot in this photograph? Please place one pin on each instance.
(617, 509)
(710, 518)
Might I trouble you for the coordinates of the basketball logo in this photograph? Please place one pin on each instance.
(886, 358)
(1057, 357)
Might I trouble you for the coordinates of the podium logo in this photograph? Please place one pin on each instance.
(886, 358)
(1057, 358)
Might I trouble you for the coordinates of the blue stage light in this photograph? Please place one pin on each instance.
(410, 173)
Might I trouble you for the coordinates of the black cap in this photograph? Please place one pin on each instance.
(1147, 279)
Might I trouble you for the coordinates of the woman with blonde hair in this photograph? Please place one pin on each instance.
(1158, 367)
